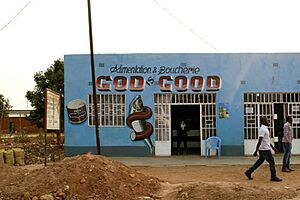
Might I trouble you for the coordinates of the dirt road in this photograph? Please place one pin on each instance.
(228, 182)
(97, 177)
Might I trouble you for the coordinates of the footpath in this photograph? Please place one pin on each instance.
(191, 160)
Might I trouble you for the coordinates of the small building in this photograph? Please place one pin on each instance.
(16, 121)
(141, 99)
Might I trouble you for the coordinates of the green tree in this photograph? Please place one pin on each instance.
(4, 108)
(52, 78)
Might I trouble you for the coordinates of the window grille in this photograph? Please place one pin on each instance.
(257, 105)
(294, 112)
(208, 115)
(162, 116)
(111, 110)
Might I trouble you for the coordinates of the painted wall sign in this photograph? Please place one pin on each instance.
(136, 120)
(120, 69)
(165, 83)
(170, 78)
(77, 111)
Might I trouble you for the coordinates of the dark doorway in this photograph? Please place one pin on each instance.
(11, 127)
(190, 114)
(278, 125)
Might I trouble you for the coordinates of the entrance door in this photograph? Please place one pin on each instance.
(278, 125)
(185, 129)
(199, 109)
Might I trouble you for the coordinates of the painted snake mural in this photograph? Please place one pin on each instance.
(142, 130)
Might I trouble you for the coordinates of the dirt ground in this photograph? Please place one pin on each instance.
(34, 147)
(224, 182)
(90, 177)
(81, 177)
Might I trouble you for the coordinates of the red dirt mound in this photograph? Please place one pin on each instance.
(80, 177)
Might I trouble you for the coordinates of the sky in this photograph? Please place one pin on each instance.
(46, 30)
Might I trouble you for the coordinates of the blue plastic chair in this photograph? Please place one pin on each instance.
(213, 142)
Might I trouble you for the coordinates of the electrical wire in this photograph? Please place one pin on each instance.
(15, 16)
(185, 26)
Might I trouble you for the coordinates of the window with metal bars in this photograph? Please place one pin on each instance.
(162, 116)
(208, 116)
(294, 112)
(111, 110)
(257, 105)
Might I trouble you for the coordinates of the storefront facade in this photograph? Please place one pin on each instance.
(142, 98)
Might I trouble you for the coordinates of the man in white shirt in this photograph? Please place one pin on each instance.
(182, 136)
(287, 144)
(264, 147)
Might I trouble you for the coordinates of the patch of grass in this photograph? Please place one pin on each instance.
(21, 138)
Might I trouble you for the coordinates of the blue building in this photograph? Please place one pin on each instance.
(142, 99)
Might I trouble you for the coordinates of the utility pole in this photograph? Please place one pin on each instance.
(93, 79)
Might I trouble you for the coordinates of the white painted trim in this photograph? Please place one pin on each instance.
(249, 146)
(162, 148)
(296, 146)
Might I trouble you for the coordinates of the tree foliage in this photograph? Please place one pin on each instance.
(4, 105)
(52, 78)
(4, 108)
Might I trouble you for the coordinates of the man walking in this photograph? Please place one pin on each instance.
(287, 144)
(264, 147)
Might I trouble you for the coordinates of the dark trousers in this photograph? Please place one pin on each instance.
(264, 155)
(287, 147)
(182, 138)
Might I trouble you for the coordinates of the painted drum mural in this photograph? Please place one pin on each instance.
(77, 111)
(142, 130)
